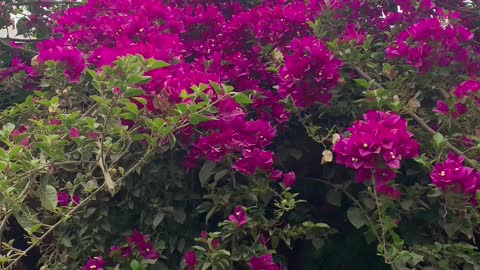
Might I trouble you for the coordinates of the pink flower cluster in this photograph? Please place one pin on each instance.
(190, 259)
(463, 93)
(264, 262)
(432, 42)
(375, 148)
(208, 41)
(143, 244)
(64, 199)
(137, 240)
(96, 263)
(452, 174)
(67, 55)
(310, 73)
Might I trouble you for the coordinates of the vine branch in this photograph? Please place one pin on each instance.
(4, 42)
(352, 198)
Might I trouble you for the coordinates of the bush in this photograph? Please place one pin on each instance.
(262, 135)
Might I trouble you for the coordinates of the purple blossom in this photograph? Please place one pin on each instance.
(289, 179)
(64, 199)
(264, 262)
(310, 73)
(376, 144)
(95, 263)
(454, 175)
(191, 260)
(442, 107)
(144, 245)
(70, 57)
(74, 133)
(239, 216)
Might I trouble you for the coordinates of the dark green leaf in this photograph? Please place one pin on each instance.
(334, 197)
(206, 171)
(199, 118)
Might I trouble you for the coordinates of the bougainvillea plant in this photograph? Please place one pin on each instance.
(240, 134)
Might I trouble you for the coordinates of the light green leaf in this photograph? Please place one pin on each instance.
(139, 79)
(155, 64)
(356, 217)
(242, 99)
(198, 118)
(134, 92)
(363, 83)
(48, 197)
(439, 140)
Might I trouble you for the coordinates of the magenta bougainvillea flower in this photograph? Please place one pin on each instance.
(289, 179)
(74, 133)
(191, 260)
(95, 263)
(67, 55)
(452, 174)
(239, 216)
(310, 72)
(144, 245)
(430, 42)
(264, 262)
(64, 199)
(442, 107)
(377, 144)
(21, 130)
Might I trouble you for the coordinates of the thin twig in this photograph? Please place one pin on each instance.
(380, 219)
(4, 42)
(28, 40)
(352, 198)
(103, 165)
(72, 211)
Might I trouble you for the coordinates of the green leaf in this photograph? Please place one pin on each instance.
(92, 73)
(220, 174)
(199, 118)
(206, 171)
(25, 222)
(48, 197)
(155, 64)
(135, 265)
(363, 83)
(205, 266)
(242, 99)
(334, 197)
(134, 92)
(157, 219)
(437, 192)
(356, 217)
(439, 140)
(179, 215)
(216, 87)
(132, 108)
(139, 79)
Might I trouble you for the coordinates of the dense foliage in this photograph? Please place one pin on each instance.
(223, 134)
